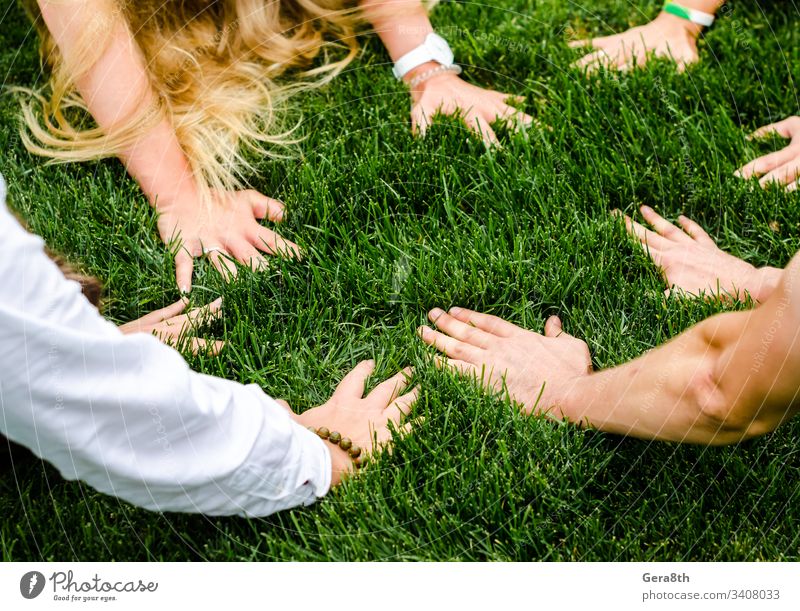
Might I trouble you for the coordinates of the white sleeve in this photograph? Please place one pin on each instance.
(126, 415)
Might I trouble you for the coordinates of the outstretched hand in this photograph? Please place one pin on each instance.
(666, 36)
(176, 329)
(536, 370)
(692, 263)
(781, 167)
(226, 231)
(364, 420)
(447, 94)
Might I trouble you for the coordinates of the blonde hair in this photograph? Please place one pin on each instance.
(220, 70)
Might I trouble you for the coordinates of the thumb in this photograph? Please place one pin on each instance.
(184, 266)
(553, 328)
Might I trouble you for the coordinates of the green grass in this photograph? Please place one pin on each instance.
(394, 226)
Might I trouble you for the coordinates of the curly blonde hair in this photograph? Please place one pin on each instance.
(221, 71)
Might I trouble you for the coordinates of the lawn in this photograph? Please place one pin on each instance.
(393, 226)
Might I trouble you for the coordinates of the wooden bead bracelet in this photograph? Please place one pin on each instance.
(336, 439)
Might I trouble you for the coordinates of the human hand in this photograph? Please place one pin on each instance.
(781, 167)
(666, 36)
(536, 370)
(691, 262)
(175, 329)
(227, 229)
(365, 421)
(447, 94)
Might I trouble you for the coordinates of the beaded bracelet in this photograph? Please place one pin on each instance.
(336, 439)
(429, 74)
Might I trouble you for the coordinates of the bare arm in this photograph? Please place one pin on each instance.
(731, 377)
(116, 87)
(402, 26)
(728, 378)
(667, 36)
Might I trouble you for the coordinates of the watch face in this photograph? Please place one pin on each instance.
(440, 49)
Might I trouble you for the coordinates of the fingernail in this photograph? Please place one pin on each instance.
(217, 301)
(436, 312)
(422, 331)
(184, 289)
(737, 174)
(646, 209)
(456, 310)
(616, 212)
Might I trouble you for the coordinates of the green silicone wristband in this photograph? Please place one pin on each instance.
(677, 10)
(689, 14)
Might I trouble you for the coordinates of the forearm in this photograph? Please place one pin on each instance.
(730, 377)
(660, 395)
(116, 90)
(402, 25)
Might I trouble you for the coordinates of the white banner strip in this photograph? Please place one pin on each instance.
(396, 586)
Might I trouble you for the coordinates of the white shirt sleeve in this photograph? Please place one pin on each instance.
(126, 415)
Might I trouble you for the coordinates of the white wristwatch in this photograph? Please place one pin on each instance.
(434, 49)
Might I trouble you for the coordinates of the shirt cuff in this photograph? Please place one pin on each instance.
(288, 465)
(320, 466)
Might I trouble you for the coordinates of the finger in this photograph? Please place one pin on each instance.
(184, 266)
(662, 226)
(593, 60)
(245, 253)
(765, 163)
(648, 238)
(223, 264)
(480, 125)
(783, 175)
(683, 63)
(460, 367)
(352, 385)
(451, 347)
(264, 206)
(269, 241)
(579, 44)
(695, 231)
(162, 314)
(458, 329)
(792, 187)
(553, 327)
(494, 325)
(388, 390)
(419, 121)
(503, 98)
(510, 115)
(205, 314)
(784, 129)
(204, 346)
(401, 406)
